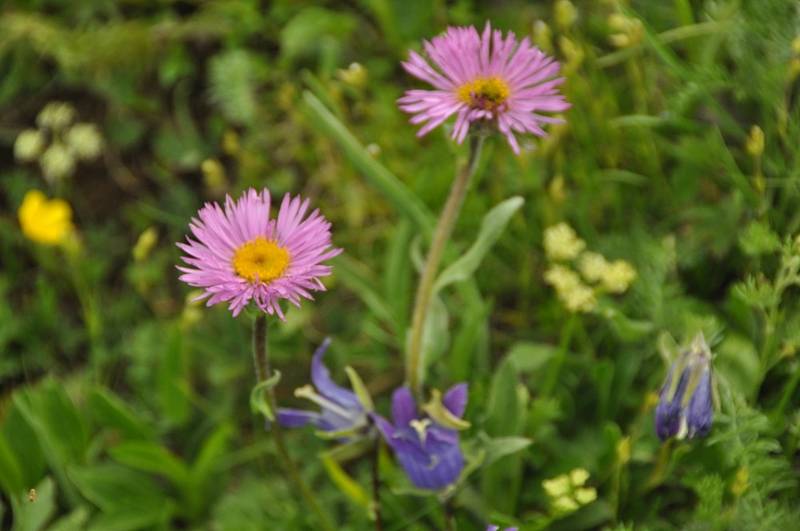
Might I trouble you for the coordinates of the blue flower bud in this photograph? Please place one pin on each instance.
(685, 406)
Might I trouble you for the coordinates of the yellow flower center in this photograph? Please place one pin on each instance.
(484, 92)
(260, 260)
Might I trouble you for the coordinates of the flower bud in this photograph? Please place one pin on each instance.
(685, 407)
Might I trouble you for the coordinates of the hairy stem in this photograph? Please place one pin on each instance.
(261, 361)
(444, 228)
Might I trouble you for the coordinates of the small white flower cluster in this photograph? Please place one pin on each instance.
(58, 143)
(562, 244)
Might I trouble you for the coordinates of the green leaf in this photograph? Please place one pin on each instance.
(435, 335)
(31, 514)
(59, 428)
(132, 519)
(530, 357)
(233, 79)
(356, 277)
(346, 484)
(758, 239)
(492, 226)
(357, 384)
(109, 411)
(114, 488)
(403, 199)
(498, 447)
(10, 474)
(258, 402)
(152, 457)
(172, 378)
(74, 521)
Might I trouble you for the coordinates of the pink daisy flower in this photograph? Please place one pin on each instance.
(486, 78)
(238, 254)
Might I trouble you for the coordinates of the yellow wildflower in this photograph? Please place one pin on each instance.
(618, 276)
(47, 221)
(561, 242)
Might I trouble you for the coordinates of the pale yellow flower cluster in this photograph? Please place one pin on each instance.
(562, 244)
(628, 30)
(58, 144)
(568, 492)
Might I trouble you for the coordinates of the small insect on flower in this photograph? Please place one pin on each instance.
(427, 445)
(484, 78)
(239, 254)
(33, 495)
(685, 407)
(342, 412)
(45, 221)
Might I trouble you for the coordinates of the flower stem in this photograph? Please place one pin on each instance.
(376, 485)
(551, 378)
(444, 228)
(449, 516)
(261, 361)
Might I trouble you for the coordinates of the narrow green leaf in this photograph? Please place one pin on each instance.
(346, 484)
(355, 276)
(10, 474)
(492, 226)
(386, 183)
(259, 402)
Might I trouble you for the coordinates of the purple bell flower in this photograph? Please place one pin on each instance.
(685, 408)
(497, 528)
(340, 409)
(428, 451)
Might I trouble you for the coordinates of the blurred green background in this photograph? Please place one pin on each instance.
(126, 407)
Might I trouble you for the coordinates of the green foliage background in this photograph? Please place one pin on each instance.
(127, 407)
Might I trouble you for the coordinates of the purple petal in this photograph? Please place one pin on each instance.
(296, 418)
(384, 427)
(438, 466)
(404, 408)
(455, 399)
(325, 384)
(700, 412)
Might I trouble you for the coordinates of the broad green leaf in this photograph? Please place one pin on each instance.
(132, 519)
(22, 446)
(497, 447)
(32, 513)
(74, 521)
(378, 176)
(10, 474)
(58, 426)
(115, 488)
(151, 457)
(530, 357)
(109, 411)
(492, 226)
